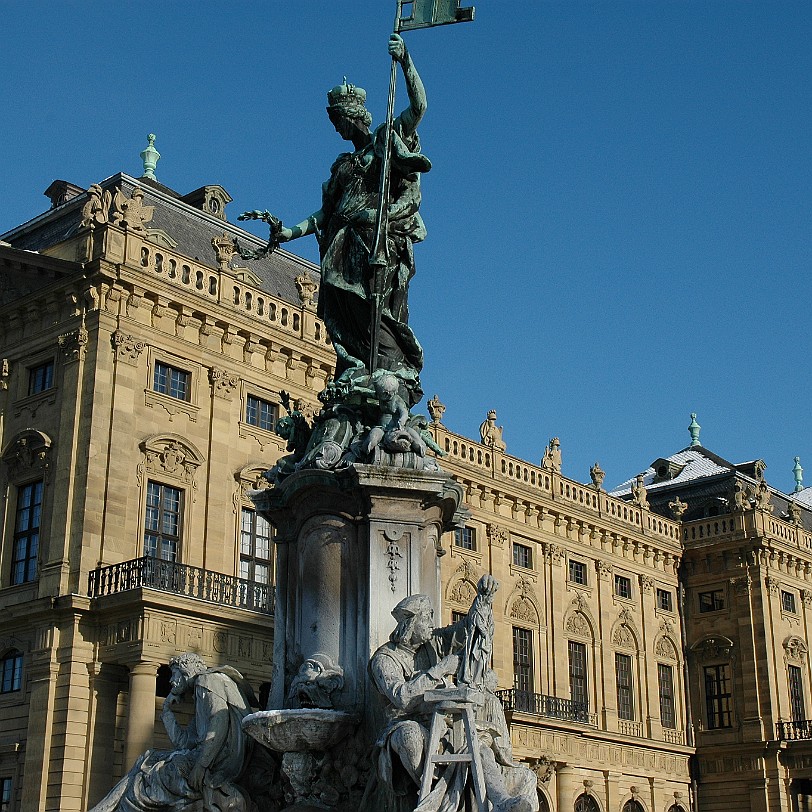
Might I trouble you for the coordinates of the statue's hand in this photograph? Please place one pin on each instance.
(447, 666)
(487, 587)
(171, 700)
(397, 47)
(196, 776)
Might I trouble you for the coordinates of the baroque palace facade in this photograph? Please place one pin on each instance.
(142, 371)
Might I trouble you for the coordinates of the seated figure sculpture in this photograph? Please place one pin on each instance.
(209, 755)
(418, 659)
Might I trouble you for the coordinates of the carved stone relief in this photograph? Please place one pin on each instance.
(27, 453)
(578, 624)
(73, 345)
(169, 456)
(223, 383)
(665, 649)
(795, 649)
(497, 535)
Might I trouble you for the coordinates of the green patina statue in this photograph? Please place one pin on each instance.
(356, 296)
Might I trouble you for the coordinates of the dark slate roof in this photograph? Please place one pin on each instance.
(191, 228)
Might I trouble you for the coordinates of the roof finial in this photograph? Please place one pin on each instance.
(799, 475)
(150, 156)
(694, 428)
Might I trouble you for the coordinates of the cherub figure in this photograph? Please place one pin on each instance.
(392, 425)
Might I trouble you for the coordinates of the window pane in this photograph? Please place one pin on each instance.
(255, 547)
(162, 521)
(623, 674)
(717, 696)
(464, 537)
(25, 546)
(578, 676)
(522, 659)
(796, 693)
(665, 678)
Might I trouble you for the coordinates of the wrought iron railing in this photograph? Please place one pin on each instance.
(181, 579)
(790, 731)
(550, 706)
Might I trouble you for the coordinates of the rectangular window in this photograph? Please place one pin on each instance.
(711, 601)
(623, 680)
(522, 659)
(665, 600)
(27, 522)
(162, 521)
(457, 617)
(788, 601)
(255, 547)
(796, 693)
(717, 696)
(5, 794)
(665, 680)
(172, 381)
(261, 413)
(522, 555)
(11, 673)
(623, 586)
(577, 666)
(465, 537)
(577, 572)
(41, 377)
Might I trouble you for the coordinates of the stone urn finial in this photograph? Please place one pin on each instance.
(150, 156)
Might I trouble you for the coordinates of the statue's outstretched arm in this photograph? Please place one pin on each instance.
(411, 116)
(309, 225)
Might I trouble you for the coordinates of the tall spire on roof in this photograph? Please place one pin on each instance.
(150, 156)
(799, 475)
(694, 428)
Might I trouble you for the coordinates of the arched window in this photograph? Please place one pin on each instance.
(633, 806)
(586, 803)
(11, 672)
(676, 808)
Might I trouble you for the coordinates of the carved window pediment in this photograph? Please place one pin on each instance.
(250, 478)
(665, 649)
(795, 649)
(27, 455)
(578, 624)
(716, 648)
(462, 592)
(170, 456)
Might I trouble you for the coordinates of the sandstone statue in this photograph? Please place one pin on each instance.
(210, 754)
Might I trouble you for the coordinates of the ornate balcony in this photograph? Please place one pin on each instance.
(792, 731)
(181, 579)
(550, 707)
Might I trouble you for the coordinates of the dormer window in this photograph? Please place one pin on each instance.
(666, 469)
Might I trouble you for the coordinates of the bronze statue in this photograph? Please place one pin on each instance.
(357, 297)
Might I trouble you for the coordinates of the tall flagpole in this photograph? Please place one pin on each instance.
(379, 256)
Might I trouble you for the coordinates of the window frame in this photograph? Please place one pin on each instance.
(168, 383)
(795, 686)
(718, 702)
(257, 422)
(668, 700)
(624, 686)
(669, 596)
(463, 543)
(49, 382)
(623, 583)
(31, 535)
(6, 792)
(788, 602)
(573, 565)
(578, 682)
(716, 601)
(525, 553)
(11, 672)
(523, 659)
(159, 533)
(251, 558)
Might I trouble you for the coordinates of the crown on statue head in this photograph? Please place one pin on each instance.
(345, 96)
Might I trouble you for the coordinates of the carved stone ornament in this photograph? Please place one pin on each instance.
(74, 345)
(28, 453)
(307, 289)
(169, 456)
(436, 410)
(224, 249)
(772, 584)
(623, 637)
(741, 586)
(223, 383)
(248, 479)
(740, 498)
(763, 496)
(130, 212)
(639, 492)
(543, 768)
(463, 592)
(646, 584)
(795, 513)
(806, 597)
(678, 508)
(713, 649)
(795, 649)
(597, 475)
(604, 569)
(665, 649)
(96, 210)
(552, 460)
(5, 373)
(128, 348)
(491, 434)
(497, 535)
(578, 624)
(555, 554)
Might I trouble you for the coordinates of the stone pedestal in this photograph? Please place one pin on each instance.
(350, 545)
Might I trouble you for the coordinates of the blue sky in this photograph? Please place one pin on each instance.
(618, 213)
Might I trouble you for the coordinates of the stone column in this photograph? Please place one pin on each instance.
(141, 711)
(350, 546)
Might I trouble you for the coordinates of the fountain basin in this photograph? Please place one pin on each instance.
(300, 730)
